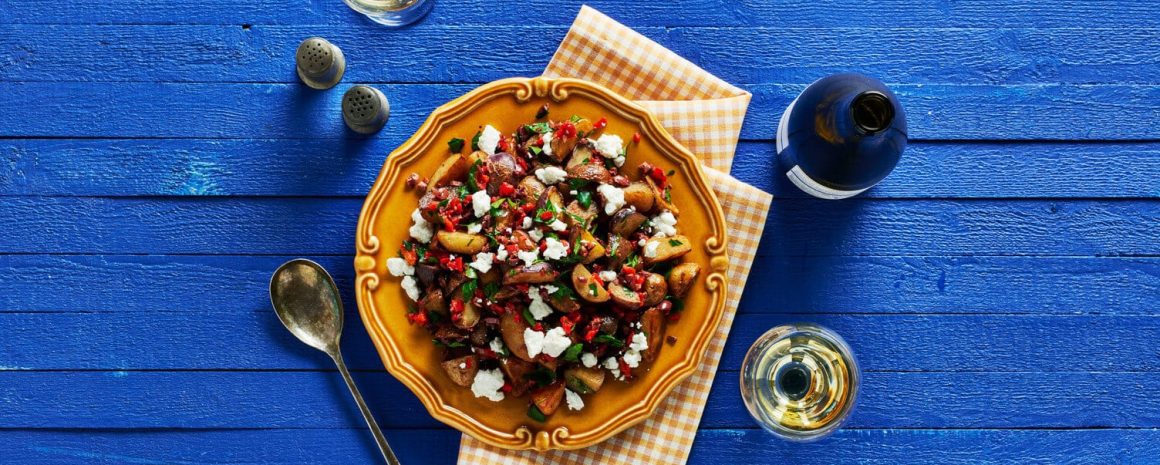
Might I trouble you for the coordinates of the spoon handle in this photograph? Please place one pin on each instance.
(385, 448)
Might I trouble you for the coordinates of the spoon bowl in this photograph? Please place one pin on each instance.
(307, 301)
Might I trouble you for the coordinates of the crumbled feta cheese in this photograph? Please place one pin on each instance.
(610, 146)
(650, 249)
(556, 342)
(639, 342)
(550, 288)
(588, 359)
(411, 287)
(421, 230)
(632, 358)
(573, 192)
(613, 367)
(496, 345)
(489, 139)
(547, 143)
(664, 224)
(642, 241)
(533, 341)
(529, 257)
(481, 203)
(462, 365)
(483, 261)
(501, 254)
(399, 267)
(535, 234)
(551, 175)
(608, 276)
(573, 399)
(488, 384)
(538, 308)
(555, 250)
(527, 223)
(474, 228)
(557, 225)
(613, 197)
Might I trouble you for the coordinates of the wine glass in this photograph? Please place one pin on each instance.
(393, 13)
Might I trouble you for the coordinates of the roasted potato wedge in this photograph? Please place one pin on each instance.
(659, 196)
(516, 371)
(590, 248)
(563, 303)
(532, 187)
(453, 168)
(470, 316)
(461, 242)
(511, 330)
(640, 195)
(462, 370)
(578, 215)
(582, 380)
(667, 248)
(626, 221)
(624, 297)
(552, 201)
(655, 289)
(582, 155)
(619, 249)
(434, 302)
(590, 172)
(652, 322)
(681, 278)
(548, 398)
(504, 169)
(587, 286)
(536, 273)
(428, 274)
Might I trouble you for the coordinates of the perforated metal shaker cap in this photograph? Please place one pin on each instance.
(365, 110)
(320, 64)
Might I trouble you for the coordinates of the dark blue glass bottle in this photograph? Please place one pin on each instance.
(841, 136)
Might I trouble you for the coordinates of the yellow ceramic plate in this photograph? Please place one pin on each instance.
(407, 350)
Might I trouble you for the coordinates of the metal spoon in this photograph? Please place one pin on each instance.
(307, 302)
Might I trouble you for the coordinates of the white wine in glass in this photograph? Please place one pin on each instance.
(392, 13)
(799, 381)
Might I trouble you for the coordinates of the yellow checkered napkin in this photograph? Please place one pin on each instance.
(704, 113)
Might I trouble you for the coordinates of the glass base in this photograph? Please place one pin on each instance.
(392, 13)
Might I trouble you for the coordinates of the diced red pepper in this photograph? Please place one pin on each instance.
(507, 387)
(448, 224)
(636, 137)
(538, 327)
(628, 270)
(658, 175)
(419, 317)
(566, 130)
(545, 215)
(624, 368)
(506, 190)
(410, 256)
(600, 123)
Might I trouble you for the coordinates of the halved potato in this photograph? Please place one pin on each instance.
(516, 371)
(511, 329)
(536, 273)
(640, 195)
(655, 289)
(461, 242)
(462, 370)
(470, 316)
(652, 322)
(590, 172)
(623, 296)
(453, 168)
(659, 196)
(581, 155)
(667, 248)
(626, 221)
(586, 285)
(681, 278)
(548, 398)
(533, 188)
(583, 380)
(592, 251)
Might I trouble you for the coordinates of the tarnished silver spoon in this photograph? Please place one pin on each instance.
(307, 302)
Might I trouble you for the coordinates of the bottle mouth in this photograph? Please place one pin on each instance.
(794, 381)
(872, 112)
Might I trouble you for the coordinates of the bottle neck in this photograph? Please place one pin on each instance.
(871, 112)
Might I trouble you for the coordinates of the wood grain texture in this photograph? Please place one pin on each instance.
(635, 13)
(803, 227)
(909, 343)
(245, 110)
(200, 400)
(346, 446)
(263, 167)
(429, 52)
(884, 285)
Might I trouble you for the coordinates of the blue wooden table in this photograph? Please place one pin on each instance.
(158, 159)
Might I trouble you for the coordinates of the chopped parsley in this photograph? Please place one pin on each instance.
(674, 242)
(633, 261)
(490, 289)
(538, 128)
(542, 376)
(577, 183)
(572, 353)
(672, 172)
(535, 414)
(528, 317)
(535, 150)
(591, 288)
(455, 144)
(575, 118)
(472, 173)
(449, 344)
(469, 288)
(475, 140)
(585, 198)
(609, 339)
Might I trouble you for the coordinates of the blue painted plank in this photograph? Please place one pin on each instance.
(220, 167)
(223, 110)
(257, 341)
(439, 446)
(888, 285)
(208, 399)
(781, 13)
(430, 52)
(797, 227)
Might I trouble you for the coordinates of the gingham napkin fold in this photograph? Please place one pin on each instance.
(705, 114)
